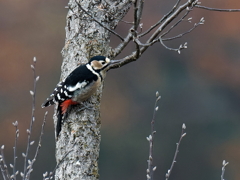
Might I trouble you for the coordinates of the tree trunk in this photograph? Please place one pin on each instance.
(80, 134)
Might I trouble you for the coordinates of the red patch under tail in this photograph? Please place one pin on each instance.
(66, 104)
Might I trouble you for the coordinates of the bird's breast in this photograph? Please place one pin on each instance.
(85, 93)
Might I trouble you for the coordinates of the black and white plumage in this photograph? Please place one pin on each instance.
(80, 84)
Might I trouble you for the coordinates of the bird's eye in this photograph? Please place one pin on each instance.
(103, 62)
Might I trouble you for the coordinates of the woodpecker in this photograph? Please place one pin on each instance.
(79, 86)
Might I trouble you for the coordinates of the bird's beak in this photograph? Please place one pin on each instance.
(112, 62)
(115, 61)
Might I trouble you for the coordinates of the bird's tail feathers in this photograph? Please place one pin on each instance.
(48, 102)
(60, 117)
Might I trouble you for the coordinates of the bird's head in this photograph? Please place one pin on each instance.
(101, 63)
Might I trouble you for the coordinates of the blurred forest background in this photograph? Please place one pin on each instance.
(199, 87)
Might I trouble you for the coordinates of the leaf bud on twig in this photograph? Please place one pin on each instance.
(31, 92)
(37, 78)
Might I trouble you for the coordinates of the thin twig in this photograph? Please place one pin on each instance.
(122, 45)
(161, 20)
(182, 34)
(217, 9)
(169, 48)
(126, 22)
(168, 31)
(29, 131)
(181, 8)
(161, 39)
(38, 147)
(176, 152)
(174, 25)
(101, 24)
(3, 165)
(15, 124)
(150, 138)
(224, 164)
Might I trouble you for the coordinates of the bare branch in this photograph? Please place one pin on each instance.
(122, 45)
(29, 131)
(15, 124)
(174, 25)
(182, 34)
(150, 138)
(136, 24)
(30, 163)
(134, 55)
(101, 24)
(126, 22)
(137, 49)
(183, 134)
(138, 8)
(171, 49)
(124, 61)
(186, 6)
(135, 17)
(217, 9)
(146, 44)
(161, 20)
(3, 165)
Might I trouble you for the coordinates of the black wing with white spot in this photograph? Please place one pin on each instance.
(59, 94)
(77, 79)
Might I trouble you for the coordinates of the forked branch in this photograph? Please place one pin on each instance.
(158, 35)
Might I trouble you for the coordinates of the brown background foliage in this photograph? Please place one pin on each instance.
(200, 87)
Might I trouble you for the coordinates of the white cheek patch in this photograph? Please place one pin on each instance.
(77, 86)
(107, 60)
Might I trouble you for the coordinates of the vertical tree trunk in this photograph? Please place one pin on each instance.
(81, 131)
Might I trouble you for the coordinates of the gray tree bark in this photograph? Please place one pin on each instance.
(77, 148)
